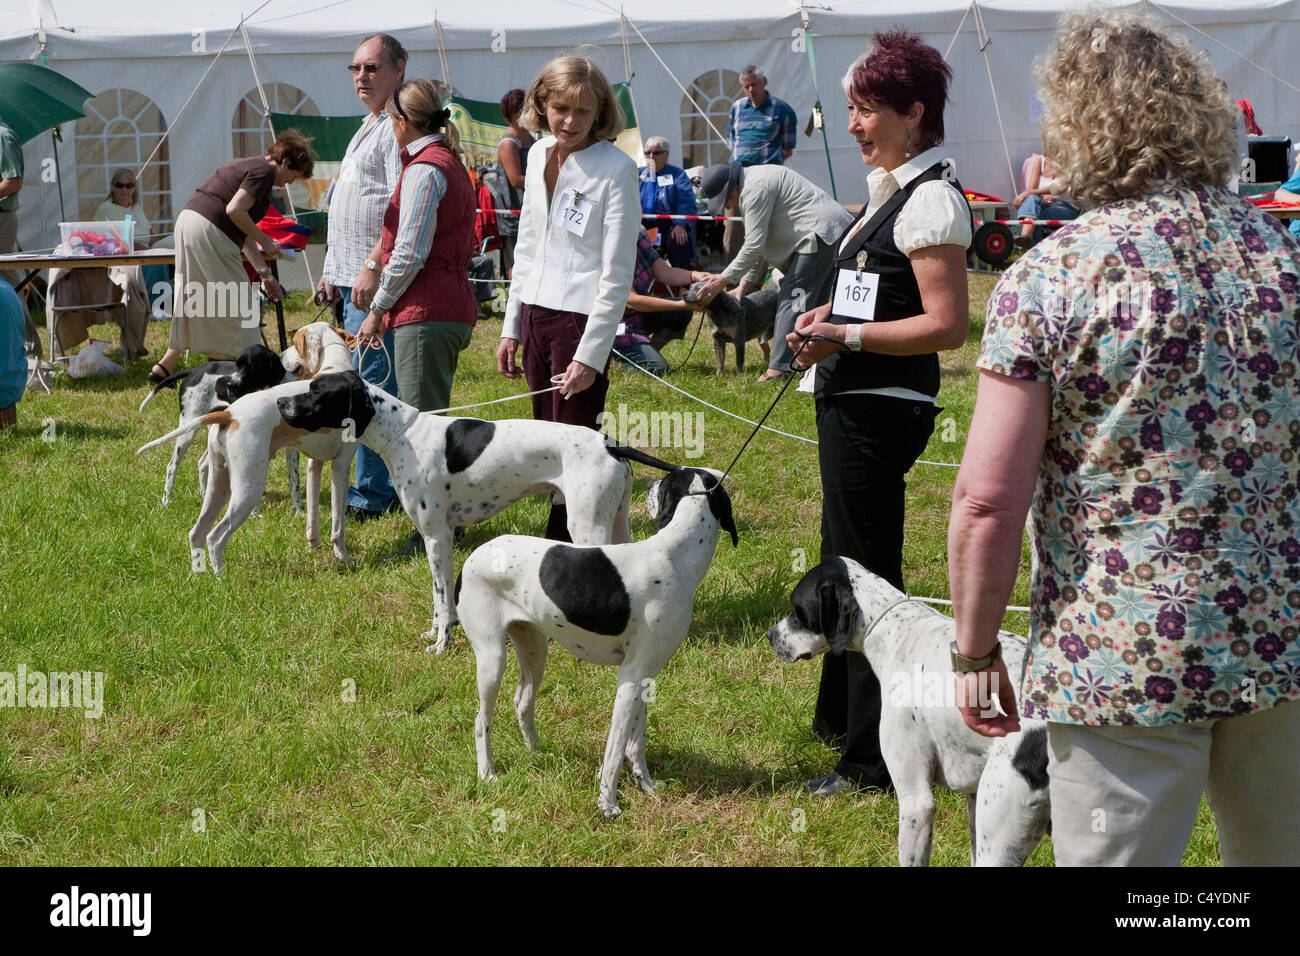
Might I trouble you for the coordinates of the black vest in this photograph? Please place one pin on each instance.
(898, 298)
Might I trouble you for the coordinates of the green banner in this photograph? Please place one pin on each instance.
(479, 123)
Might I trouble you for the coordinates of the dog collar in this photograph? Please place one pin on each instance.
(883, 614)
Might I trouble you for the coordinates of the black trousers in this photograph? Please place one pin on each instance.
(867, 443)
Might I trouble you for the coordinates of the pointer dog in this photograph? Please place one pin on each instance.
(244, 437)
(206, 388)
(456, 471)
(753, 317)
(623, 605)
(840, 606)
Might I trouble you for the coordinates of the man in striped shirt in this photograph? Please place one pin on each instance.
(760, 130)
(368, 175)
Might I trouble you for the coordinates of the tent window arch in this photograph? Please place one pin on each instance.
(120, 129)
(714, 91)
(249, 130)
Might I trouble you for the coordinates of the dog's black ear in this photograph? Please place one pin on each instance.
(720, 505)
(840, 614)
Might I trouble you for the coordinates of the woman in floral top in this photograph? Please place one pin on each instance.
(1139, 386)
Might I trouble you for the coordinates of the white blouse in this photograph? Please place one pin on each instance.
(935, 215)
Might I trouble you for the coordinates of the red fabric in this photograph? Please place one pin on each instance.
(1248, 111)
(485, 223)
(284, 230)
(440, 291)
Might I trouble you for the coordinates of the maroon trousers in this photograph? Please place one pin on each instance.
(550, 338)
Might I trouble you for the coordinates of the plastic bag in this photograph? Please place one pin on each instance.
(91, 360)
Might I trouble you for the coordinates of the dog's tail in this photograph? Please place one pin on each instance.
(221, 417)
(626, 453)
(168, 382)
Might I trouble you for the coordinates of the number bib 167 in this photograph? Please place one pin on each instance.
(855, 294)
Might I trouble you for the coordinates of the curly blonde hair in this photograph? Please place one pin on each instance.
(573, 76)
(1127, 107)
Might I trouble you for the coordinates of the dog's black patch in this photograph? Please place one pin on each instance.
(460, 575)
(466, 439)
(587, 588)
(329, 402)
(256, 368)
(1030, 760)
(676, 485)
(824, 603)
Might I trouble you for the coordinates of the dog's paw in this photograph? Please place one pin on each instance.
(439, 644)
(647, 784)
(313, 544)
(610, 812)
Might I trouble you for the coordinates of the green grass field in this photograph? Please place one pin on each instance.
(227, 737)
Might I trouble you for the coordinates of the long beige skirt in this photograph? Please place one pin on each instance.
(216, 311)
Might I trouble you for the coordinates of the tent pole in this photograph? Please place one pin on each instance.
(266, 115)
(819, 118)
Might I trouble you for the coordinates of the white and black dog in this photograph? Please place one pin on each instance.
(623, 605)
(839, 606)
(212, 386)
(458, 471)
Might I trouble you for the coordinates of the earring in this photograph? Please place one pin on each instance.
(907, 150)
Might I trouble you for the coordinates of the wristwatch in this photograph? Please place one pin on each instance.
(968, 665)
(372, 265)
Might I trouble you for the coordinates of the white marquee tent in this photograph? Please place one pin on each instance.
(158, 68)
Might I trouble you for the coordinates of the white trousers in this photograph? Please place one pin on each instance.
(1128, 796)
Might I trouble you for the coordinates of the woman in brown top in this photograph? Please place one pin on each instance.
(216, 312)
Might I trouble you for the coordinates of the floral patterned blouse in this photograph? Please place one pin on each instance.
(1166, 520)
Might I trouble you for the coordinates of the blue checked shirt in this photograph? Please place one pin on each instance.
(759, 135)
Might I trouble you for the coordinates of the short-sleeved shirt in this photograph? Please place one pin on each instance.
(256, 175)
(367, 177)
(1166, 519)
(759, 135)
(11, 164)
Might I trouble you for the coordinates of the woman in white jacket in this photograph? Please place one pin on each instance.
(576, 248)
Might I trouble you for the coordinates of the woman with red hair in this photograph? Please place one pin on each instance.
(900, 297)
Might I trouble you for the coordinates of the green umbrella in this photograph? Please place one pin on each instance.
(34, 99)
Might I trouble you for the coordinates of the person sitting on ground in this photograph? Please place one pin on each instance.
(651, 318)
(1042, 198)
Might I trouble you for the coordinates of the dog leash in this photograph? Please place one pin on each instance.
(788, 379)
(557, 379)
(698, 330)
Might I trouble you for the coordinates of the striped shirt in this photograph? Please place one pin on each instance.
(367, 178)
(422, 190)
(759, 135)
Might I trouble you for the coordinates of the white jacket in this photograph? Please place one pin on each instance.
(589, 274)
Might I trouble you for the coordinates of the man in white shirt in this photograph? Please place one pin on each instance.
(789, 222)
(369, 173)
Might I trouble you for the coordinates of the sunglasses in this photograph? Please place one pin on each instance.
(655, 152)
(368, 68)
(124, 185)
